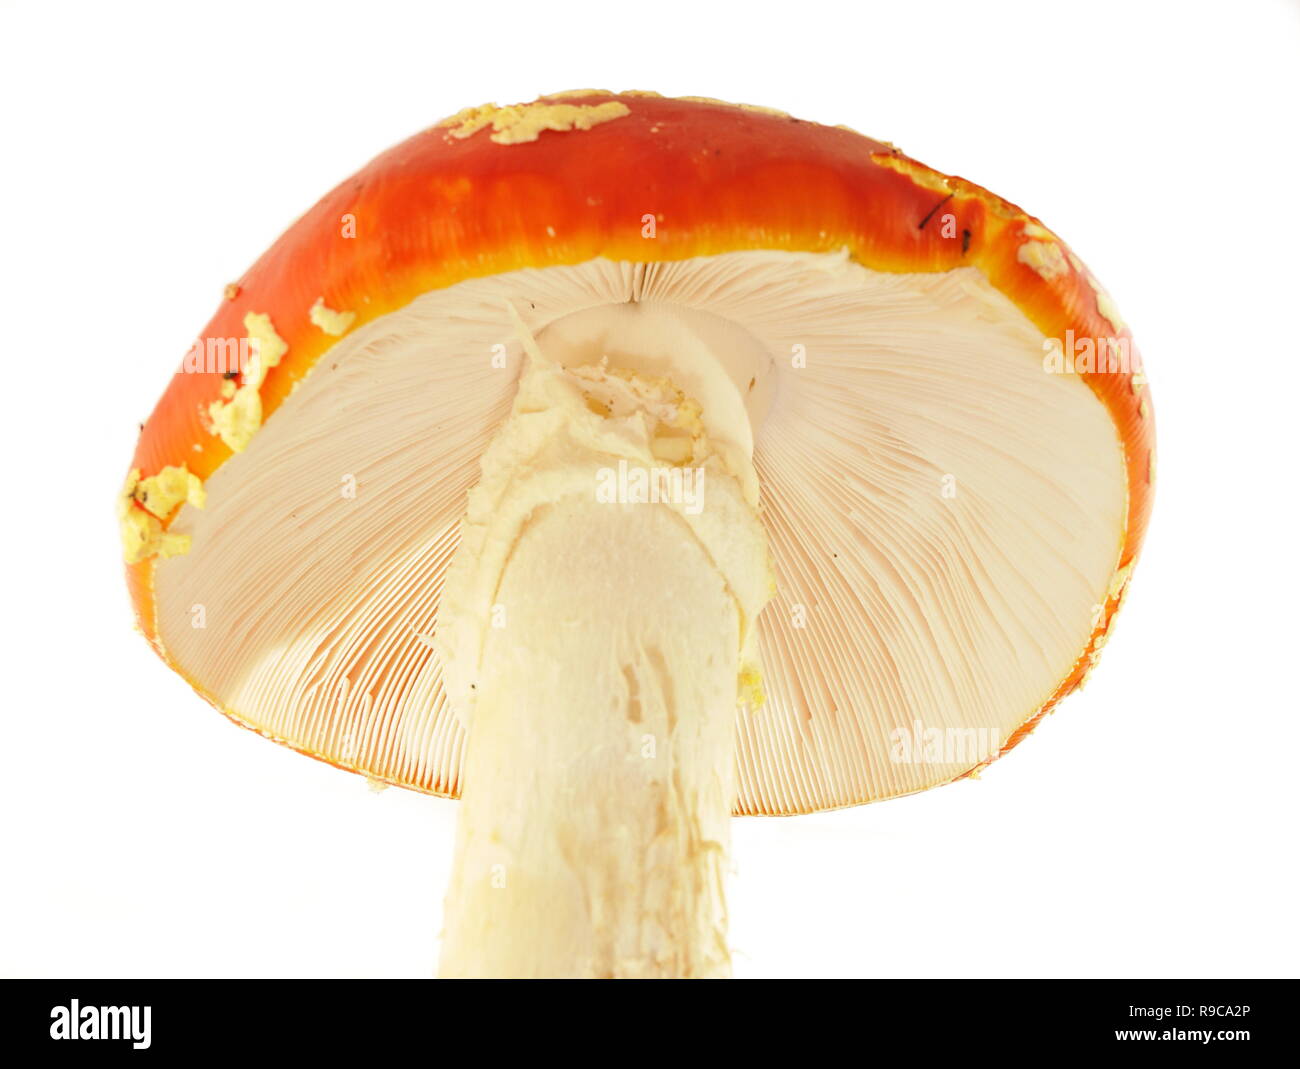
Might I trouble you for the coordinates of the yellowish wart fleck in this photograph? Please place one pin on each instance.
(923, 176)
(145, 504)
(1119, 581)
(330, 321)
(237, 420)
(527, 122)
(268, 346)
(1106, 307)
(161, 494)
(237, 417)
(1045, 257)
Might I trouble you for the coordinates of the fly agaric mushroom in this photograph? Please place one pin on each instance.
(799, 476)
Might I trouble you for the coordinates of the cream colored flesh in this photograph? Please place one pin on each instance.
(943, 517)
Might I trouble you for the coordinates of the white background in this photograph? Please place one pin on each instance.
(152, 152)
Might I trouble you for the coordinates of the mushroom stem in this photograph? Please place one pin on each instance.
(596, 629)
(599, 775)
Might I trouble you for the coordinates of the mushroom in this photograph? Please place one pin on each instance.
(618, 464)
